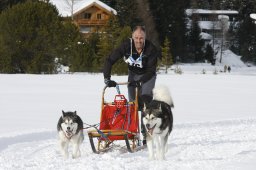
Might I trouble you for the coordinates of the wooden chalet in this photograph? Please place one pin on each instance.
(211, 15)
(89, 15)
(210, 20)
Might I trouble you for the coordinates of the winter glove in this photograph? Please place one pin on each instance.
(135, 83)
(110, 83)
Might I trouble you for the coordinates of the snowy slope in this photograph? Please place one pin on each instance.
(218, 145)
(229, 58)
(214, 122)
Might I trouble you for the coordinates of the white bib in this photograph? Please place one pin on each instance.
(132, 62)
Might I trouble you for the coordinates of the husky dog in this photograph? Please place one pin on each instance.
(70, 129)
(158, 121)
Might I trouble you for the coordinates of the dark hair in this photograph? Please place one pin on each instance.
(139, 27)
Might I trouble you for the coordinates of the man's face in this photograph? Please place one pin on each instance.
(139, 39)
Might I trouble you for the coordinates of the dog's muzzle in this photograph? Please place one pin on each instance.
(150, 130)
(69, 133)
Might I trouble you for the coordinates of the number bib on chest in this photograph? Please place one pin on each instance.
(135, 63)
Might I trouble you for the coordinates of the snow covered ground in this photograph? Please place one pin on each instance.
(214, 121)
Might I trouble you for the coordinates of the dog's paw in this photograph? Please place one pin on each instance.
(161, 157)
(151, 157)
(65, 155)
(75, 156)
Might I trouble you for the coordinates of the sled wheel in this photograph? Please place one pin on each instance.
(92, 144)
(130, 147)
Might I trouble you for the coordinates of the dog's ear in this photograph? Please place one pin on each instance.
(75, 113)
(63, 113)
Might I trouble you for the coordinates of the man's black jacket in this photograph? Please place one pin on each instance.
(149, 59)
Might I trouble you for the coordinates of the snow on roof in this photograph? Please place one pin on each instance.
(64, 6)
(209, 25)
(253, 16)
(220, 17)
(206, 11)
(205, 36)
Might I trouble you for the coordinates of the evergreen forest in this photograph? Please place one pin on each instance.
(35, 39)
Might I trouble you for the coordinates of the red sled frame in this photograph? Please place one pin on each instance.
(119, 121)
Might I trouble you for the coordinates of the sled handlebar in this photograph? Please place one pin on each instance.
(117, 83)
(122, 83)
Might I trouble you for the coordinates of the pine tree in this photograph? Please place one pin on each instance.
(113, 35)
(167, 58)
(245, 34)
(84, 58)
(170, 22)
(202, 4)
(195, 43)
(5, 4)
(209, 54)
(81, 53)
(32, 37)
(247, 39)
(127, 13)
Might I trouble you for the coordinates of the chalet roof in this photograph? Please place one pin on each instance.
(253, 16)
(205, 11)
(65, 8)
(205, 36)
(208, 25)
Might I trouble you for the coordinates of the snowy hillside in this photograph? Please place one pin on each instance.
(229, 58)
(214, 122)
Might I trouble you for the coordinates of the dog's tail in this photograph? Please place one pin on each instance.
(162, 93)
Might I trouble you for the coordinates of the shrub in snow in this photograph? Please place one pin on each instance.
(215, 71)
(178, 70)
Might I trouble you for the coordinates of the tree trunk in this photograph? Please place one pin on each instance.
(143, 11)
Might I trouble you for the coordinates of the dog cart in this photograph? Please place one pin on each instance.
(119, 121)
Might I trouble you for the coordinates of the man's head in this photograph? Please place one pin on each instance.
(139, 36)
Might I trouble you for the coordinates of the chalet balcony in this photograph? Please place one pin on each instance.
(86, 22)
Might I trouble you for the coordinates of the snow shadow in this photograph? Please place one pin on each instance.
(37, 136)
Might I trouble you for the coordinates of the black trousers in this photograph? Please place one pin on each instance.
(145, 89)
(145, 94)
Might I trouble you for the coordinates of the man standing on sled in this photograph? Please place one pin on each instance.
(141, 56)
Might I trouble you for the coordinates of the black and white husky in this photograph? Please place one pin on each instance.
(158, 121)
(70, 129)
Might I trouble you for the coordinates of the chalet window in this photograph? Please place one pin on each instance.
(204, 18)
(87, 15)
(98, 16)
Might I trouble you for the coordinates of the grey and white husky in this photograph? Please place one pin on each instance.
(158, 121)
(70, 129)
